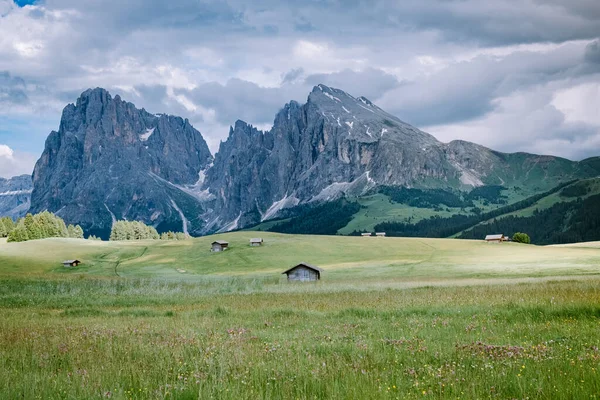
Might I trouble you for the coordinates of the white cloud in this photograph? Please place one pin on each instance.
(580, 103)
(528, 121)
(461, 66)
(15, 163)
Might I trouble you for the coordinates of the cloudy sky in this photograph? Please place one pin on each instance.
(514, 75)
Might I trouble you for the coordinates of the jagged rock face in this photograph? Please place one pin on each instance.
(336, 145)
(110, 160)
(333, 144)
(15, 196)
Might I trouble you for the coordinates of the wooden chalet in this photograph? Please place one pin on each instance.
(499, 238)
(219, 245)
(303, 272)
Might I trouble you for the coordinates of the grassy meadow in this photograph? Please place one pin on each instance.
(391, 318)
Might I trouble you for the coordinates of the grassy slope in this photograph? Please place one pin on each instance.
(378, 208)
(353, 260)
(229, 327)
(549, 201)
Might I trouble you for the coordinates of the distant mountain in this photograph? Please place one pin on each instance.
(338, 145)
(110, 160)
(15, 196)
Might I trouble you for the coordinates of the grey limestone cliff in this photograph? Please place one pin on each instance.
(110, 160)
(337, 145)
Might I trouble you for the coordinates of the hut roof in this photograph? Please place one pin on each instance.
(494, 237)
(71, 261)
(303, 264)
(221, 242)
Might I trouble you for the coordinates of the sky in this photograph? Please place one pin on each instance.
(513, 75)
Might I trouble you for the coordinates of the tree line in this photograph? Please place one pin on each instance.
(136, 230)
(322, 219)
(38, 226)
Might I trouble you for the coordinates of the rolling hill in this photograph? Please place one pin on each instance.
(348, 260)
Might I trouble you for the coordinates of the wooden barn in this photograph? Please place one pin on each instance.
(303, 272)
(219, 245)
(255, 242)
(499, 238)
(71, 263)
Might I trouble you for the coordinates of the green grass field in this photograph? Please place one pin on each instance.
(391, 318)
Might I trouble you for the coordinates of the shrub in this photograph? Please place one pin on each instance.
(520, 237)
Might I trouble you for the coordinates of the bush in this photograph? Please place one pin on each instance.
(520, 237)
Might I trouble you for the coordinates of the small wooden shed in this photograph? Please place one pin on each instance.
(365, 234)
(380, 234)
(219, 245)
(303, 272)
(71, 263)
(256, 242)
(499, 238)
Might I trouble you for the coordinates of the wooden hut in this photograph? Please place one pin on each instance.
(71, 263)
(303, 272)
(499, 238)
(219, 245)
(254, 242)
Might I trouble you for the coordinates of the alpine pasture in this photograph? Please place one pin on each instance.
(390, 318)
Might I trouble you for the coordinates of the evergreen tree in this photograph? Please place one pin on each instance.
(78, 233)
(19, 234)
(71, 231)
(8, 223)
(33, 229)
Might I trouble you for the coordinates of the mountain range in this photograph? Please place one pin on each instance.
(110, 161)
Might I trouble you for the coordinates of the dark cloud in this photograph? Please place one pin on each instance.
(468, 89)
(371, 83)
(244, 100)
(12, 89)
(292, 75)
(592, 52)
(473, 21)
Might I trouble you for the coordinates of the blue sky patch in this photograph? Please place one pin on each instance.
(22, 3)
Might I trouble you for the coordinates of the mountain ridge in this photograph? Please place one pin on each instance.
(110, 160)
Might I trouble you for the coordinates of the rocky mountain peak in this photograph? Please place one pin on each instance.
(110, 160)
